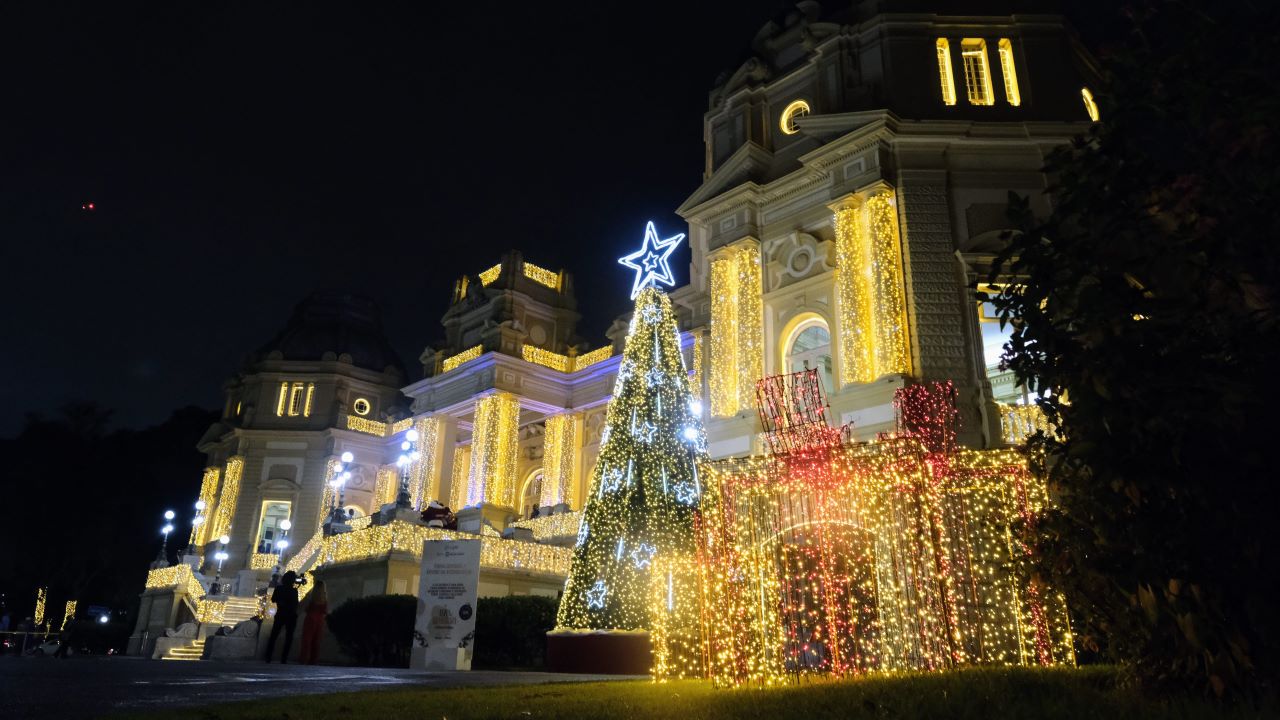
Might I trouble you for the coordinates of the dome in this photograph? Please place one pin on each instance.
(330, 324)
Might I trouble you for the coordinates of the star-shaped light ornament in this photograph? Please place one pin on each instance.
(596, 595)
(650, 261)
(642, 556)
(646, 432)
(610, 481)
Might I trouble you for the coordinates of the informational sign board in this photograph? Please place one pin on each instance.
(444, 630)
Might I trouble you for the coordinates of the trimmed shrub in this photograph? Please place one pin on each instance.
(511, 632)
(376, 630)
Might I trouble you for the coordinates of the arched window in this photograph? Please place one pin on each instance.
(1090, 106)
(531, 494)
(798, 108)
(808, 346)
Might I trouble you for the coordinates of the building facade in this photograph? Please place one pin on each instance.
(858, 168)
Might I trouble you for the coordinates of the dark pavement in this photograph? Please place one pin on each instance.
(90, 687)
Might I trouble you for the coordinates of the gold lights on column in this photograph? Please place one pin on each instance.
(386, 486)
(737, 356)
(422, 471)
(869, 288)
(494, 447)
(559, 444)
(208, 493)
(227, 498)
(458, 481)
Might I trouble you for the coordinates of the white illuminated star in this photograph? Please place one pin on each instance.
(687, 493)
(596, 595)
(650, 261)
(647, 431)
(642, 556)
(611, 480)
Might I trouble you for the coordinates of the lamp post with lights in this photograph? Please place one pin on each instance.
(164, 544)
(221, 557)
(409, 455)
(338, 498)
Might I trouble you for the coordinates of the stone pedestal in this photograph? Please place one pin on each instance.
(618, 652)
(471, 519)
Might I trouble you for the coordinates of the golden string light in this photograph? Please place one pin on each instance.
(588, 359)
(552, 527)
(494, 446)
(386, 486)
(367, 426)
(41, 595)
(853, 295)
(488, 277)
(458, 490)
(423, 469)
(399, 537)
(1019, 422)
(737, 355)
(892, 555)
(227, 497)
(559, 443)
(546, 358)
(401, 425)
(869, 289)
(208, 494)
(455, 361)
(888, 293)
(68, 613)
(542, 276)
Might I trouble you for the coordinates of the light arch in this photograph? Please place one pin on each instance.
(792, 329)
(536, 474)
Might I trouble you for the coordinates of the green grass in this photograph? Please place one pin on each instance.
(1087, 694)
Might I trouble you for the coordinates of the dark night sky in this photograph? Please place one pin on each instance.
(242, 155)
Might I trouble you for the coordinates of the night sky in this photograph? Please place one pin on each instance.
(242, 155)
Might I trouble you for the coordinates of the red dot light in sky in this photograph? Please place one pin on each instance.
(87, 206)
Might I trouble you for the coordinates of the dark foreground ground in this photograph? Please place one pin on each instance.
(974, 694)
(91, 687)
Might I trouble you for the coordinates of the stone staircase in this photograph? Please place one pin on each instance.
(236, 611)
(239, 609)
(193, 650)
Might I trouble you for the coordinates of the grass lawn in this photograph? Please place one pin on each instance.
(1088, 694)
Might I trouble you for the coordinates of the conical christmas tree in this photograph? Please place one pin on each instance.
(645, 491)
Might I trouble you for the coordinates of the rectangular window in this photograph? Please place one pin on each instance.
(977, 73)
(1010, 73)
(295, 399)
(284, 398)
(274, 512)
(944, 72)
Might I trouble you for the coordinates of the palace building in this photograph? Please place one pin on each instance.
(858, 167)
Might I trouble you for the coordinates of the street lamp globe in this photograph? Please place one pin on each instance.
(285, 524)
(168, 514)
(412, 435)
(200, 505)
(166, 530)
(347, 457)
(224, 539)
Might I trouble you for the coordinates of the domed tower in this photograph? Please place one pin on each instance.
(858, 169)
(298, 403)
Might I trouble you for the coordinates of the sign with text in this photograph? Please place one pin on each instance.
(444, 630)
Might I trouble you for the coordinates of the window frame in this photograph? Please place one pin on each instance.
(977, 71)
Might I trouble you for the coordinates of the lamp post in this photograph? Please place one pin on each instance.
(410, 454)
(164, 544)
(338, 499)
(221, 557)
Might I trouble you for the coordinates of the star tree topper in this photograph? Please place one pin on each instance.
(650, 261)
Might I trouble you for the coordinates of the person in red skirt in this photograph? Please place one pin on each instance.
(313, 623)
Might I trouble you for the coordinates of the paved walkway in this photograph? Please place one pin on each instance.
(88, 687)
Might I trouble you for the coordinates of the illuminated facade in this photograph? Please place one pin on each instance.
(856, 185)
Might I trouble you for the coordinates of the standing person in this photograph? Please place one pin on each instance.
(285, 597)
(313, 623)
(65, 639)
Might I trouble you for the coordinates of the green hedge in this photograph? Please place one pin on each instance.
(376, 630)
(511, 632)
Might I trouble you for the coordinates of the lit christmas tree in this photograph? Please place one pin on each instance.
(639, 518)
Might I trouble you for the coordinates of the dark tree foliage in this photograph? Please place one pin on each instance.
(85, 506)
(1147, 307)
(511, 632)
(376, 630)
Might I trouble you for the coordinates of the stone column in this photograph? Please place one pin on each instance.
(855, 335)
(737, 334)
(495, 445)
(559, 454)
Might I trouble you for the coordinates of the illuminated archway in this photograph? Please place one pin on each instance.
(530, 494)
(805, 342)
